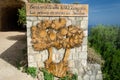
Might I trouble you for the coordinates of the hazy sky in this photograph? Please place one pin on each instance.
(101, 11)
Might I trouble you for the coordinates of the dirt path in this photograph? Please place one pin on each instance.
(11, 51)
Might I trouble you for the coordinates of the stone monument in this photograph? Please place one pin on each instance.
(57, 37)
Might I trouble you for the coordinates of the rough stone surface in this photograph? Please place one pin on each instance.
(29, 24)
(32, 18)
(77, 61)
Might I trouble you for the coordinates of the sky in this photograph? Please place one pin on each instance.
(101, 11)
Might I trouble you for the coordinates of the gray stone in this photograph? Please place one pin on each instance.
(72, 50)
(100, 72)
(28, 18)
(75, 56)
(32, 64)
(57, 58)
(70, 56)
(78, 23)
(54, 50)
(85, 18)
(45, 18)
(60, 51)
(84, 62)
(73, 22)
(38, 57)
(85, 40)
(92, 77)
(78, 49)
(85, 32)
(86, 77)
(32, 51)
(84, 25)
(68, 23)
(79, 18)
(71, 63)
(99, 77)
(84, 48)
(89, 73)
(31, 18)
(29, 24)
(56, 78)
(60, 56)
(83, 55)
(31, 59)
(53, 18)
(44, 55)
(81, 71)
(97, 66)
(35, 23)
(80, 78)
(77, 64)
(40, 18)
(40, 64)
(29, 42)
(40, 76)
(74, 70)
(28, 32)
(71, 18)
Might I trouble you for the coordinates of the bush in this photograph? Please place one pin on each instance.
(31, 71)
(105, 40)
(47, 75)
(22, 16)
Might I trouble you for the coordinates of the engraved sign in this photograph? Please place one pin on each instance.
(41, 9)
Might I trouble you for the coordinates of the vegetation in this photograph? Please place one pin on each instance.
(94, 57)
(49, 76)
(22, 16)
(22, 11)
(106, 41)
(74, 77)
(31, 71)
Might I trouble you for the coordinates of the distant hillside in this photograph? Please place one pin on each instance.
(105, 39)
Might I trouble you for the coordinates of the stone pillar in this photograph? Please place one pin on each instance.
(78, 55)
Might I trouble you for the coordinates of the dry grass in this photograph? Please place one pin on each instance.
(94, 57)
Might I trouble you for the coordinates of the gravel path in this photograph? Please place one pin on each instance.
(11, 51)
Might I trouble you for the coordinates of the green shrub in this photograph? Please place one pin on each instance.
(31, 71)
(74, 77)
(105, 40)
(67, 77)
(22, 16)
(47, 75)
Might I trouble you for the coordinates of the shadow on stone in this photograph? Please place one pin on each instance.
(14, 54)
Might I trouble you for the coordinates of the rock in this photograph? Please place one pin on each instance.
(92, 77)
(86, 77)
